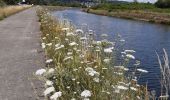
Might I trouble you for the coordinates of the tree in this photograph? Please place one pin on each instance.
(163, 3)
(11, 2)
(2, 3)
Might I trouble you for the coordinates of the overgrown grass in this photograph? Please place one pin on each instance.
(80, 67)
(130, 6)
(9, 10)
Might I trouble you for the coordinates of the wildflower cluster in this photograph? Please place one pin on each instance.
(78, 67)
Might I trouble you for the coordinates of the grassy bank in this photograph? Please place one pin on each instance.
(145, 12)
(9, 10)
(78, 67)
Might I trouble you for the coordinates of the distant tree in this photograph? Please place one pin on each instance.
(11, 2)
(135, 1)
(163, 3)
(2, 3)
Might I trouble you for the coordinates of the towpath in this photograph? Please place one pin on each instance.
(20, 57)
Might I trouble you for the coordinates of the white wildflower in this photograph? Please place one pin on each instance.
(96, 79)
(73, 79)
(65, 29)
(68, 87)
(107, 60)
(44, 38)
(48, 83)
(142, 70)
(66, 39)
(86, 94)
(40, 72)
(122, 87)
(104, 68)
(73, 44)
(70, 34)
(49, 90)
(138, 97)
(104, 35)
(117, 90)
(91, 71)
(130, 56)
(86, 99)
(125, 69)
(79, 31)
(59, 47)
(108, 50)
(118, 73)
(123, 53)
(133, 88)
(83, 38)
(73, 99)
(119, 67)
(75, 69)
(49, 44)
(49, 61)
(69, 53)
(51, 70)
(43, 45)
(56, 95)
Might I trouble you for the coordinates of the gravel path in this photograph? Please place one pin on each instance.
(20, 57)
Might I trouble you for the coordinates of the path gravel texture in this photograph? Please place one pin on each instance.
(20, 57)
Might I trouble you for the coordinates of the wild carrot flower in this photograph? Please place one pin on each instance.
(59, 47)
(51, 70)
(70, 34)
(122, 87)
(91, 71)
(107, 60)
(48, 83)
(133, 88)
(65, 29)
(49, 44)
(40, 72)
(108, 50)
(49, 61)
(96, 79)
(56, 95)
(49, 90)
(79, 31)
(43, 45)
(86, 94)
(73, 44)
(130, 56)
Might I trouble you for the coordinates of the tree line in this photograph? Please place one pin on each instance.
(159, 3)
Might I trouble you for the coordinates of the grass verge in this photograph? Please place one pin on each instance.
(9, 10)
(80, 67)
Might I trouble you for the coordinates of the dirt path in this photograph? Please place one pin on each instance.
(20, 56)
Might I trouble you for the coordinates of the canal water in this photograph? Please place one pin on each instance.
(143, 37)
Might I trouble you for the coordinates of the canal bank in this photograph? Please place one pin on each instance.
(149, 16)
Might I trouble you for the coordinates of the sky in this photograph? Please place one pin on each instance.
(151, 1)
